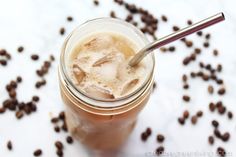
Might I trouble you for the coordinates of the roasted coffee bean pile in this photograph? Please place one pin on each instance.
(43, 71)
(4, 57)
(59, 123)
(13, 104)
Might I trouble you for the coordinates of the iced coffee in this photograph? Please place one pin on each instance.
(102, 93)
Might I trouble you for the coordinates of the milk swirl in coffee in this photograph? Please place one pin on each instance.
(99, 66)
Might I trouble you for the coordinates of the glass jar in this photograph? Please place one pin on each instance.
(102, 124)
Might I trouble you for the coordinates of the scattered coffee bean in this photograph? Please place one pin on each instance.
(189, 22)
(171, 48)
(197, 50)
(221, 110)
(217, 133)
(230, 115)
(221, 91)
(19, 79)
(215, 52)
(211, 140)
(186, 114)
(210, 89)
(148, 131)
(59, 153)
(175, 28)
(112, 14)
(181, 120)
(189, 43)
(206, 44)
(221, 152)
(9, 145)
(164, 18)
(186, 98)
(57, 129)
(35, 98)
(2, 110)
(19, 114)
(69, 140)
(185, 86)
(59, 145)
(37, 152)
(69, 18)
(54, 120)
(199, 114)
(62, 31)
(219, 68)
(96, 2)
(194, 120)
(34, 57)
(225, 137)
(215, 123)
(160, 150)
(20, 49)
(160, 138)
(207, 36)
(199, 33)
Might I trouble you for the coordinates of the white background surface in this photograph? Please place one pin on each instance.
(35, 25)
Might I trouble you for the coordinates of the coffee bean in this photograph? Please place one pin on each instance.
(189, 43)
(193, 75)
(225, 137)
(171, 48)
(37, 152)
(59, 145)
(181, 120)
(186, 61)
(207, 36)
(189, 22)
(96, 2)
(194, 120)
(148, 131)
(199, 33)
(215, 123)
(62, 31)
(211, 140)
(19, 79)
(186, 98)
(35, 98)
(52, 58)
(215, 52)
(59, 153)
(112, 14)
(205, 77)
(9, 145)
(164, 18)
(160, 150)
(20, 49)
(219, 68)
(175, 28)
(3, 62)
(163, 49)
(12, 93)
(219, 104)
(199, 114)
(230, 115)
(144, 136)
(57, 129)
(69, 18)
(197, 50)
(206, 44)
(34, 57)
(217, 133)
(3, 52)
(64, 127)
(19, 114)
(221, 91)
(219, 81)
(120, 2)
(185, 114)
(184, 78)
(160, 138)
(54, 120)
(69, 140)
(221, 152)
(210, 89)
(131, 8)
(185, 86)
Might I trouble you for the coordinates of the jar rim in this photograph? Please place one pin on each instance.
(68, 79)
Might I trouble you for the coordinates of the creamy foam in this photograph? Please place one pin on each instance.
(99, 66)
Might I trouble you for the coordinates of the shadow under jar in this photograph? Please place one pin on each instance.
(102, 124)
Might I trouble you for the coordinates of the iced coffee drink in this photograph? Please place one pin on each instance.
(102, 93)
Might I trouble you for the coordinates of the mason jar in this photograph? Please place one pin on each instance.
(100, 124)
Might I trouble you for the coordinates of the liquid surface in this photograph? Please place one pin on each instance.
(99, 66)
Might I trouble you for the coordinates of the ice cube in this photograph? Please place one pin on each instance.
(99, 92)
(108, 58)
(78, 73)
(99, 42)
(129, 86)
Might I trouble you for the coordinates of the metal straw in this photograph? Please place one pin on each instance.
(175, 36)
